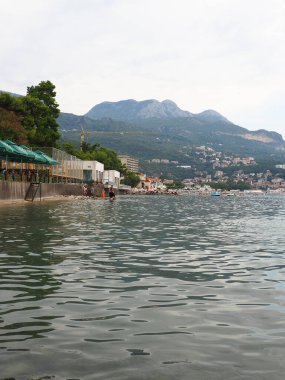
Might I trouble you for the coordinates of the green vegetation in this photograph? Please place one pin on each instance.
(177, 140)
(229, 185)
(131, 179)
(35, 120)
(106, 156)
(166, 171)
(96, 152)
(11, 127)
(32, 118)
(175, 185)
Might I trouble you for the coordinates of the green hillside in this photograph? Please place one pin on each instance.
(168, 137)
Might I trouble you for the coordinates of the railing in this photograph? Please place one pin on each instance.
(32, 176)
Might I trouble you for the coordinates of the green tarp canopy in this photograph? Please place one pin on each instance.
(34, 156)
(21, 153)
(50, 161)
(5, 149)
(17, 150)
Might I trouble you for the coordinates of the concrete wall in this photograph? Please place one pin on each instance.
(17, 190)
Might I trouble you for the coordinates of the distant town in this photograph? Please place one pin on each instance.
(218, 161)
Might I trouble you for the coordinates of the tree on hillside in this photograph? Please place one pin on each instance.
(9, 102)
(70, 149)
(38, 112)
(45, 91)
(11, 127)
(87, 147)
(131, 179)
(41, 112)
(175, 185)
(229, 185)
(38, 123)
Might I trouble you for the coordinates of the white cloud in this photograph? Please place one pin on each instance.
(227, 55)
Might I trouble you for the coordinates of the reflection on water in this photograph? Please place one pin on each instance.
(143, 288)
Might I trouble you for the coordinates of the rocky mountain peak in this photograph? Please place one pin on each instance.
(211, 116)
(131, 110)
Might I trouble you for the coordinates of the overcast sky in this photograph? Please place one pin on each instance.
(226, 55)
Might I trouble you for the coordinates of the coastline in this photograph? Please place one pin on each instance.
(13, 202)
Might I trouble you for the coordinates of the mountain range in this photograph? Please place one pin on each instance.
(148, 109)
(152, 129)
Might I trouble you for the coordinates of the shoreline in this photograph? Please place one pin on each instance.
(12, 202)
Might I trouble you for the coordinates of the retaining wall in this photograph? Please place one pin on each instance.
(17, 190)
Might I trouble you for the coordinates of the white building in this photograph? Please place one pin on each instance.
(111, 177)
(92, 171)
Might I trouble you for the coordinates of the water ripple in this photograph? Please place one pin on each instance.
(145, 287)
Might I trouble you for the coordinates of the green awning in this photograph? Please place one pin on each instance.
(34, 156)
(18, 150)
(21, 153)
(49, 160)
(6, 149)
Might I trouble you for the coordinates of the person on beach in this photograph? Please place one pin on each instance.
(111, 194)
(85, 190)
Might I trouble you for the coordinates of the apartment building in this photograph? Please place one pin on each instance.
(131, 163)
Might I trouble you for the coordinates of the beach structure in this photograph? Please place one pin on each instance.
(92, 171)
(111, 177)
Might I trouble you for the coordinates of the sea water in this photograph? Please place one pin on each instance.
(146, 287)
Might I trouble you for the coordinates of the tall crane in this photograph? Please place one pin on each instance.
(83, 133)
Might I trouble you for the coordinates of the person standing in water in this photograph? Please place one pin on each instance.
(111, 194)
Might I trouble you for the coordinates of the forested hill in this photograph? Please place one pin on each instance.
(152, 129)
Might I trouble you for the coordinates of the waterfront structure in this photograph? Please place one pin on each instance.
(20, 163)
(111, 177)
(92, 171)
(70, 168)
(131, 163)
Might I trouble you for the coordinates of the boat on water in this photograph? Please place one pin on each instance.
(215, 194)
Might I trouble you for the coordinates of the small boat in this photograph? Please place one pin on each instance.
(215, 194)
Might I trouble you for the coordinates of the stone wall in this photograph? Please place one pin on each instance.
(17, 190)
